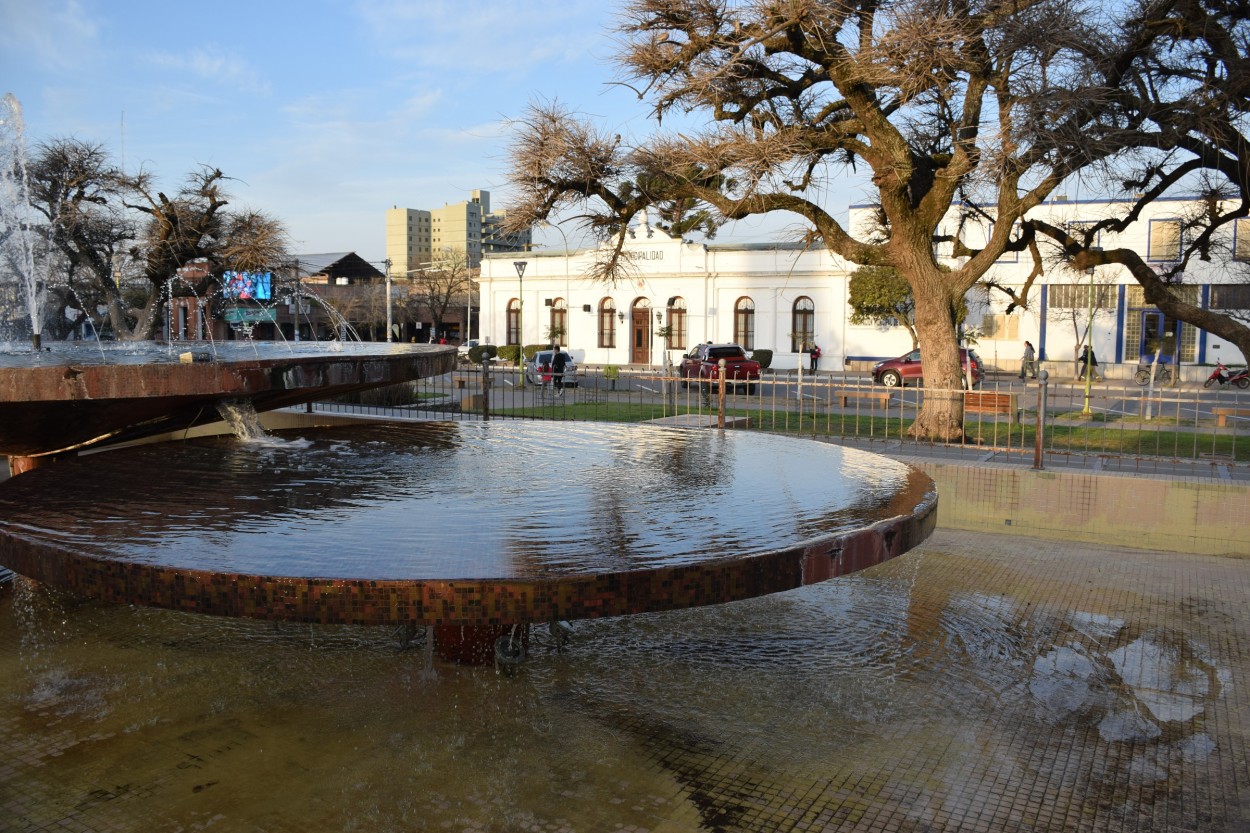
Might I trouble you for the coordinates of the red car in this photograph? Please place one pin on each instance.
(703, 364)
(894, 373)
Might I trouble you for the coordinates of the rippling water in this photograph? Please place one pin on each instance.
(465, 500)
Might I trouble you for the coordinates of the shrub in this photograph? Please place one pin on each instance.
(508, 353)
(764, 357)
(483, 352)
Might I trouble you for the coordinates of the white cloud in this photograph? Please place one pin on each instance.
(57, 36)
(211, 63)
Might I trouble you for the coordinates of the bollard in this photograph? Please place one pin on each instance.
(720, 403)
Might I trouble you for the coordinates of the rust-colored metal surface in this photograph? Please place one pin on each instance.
(62, 399)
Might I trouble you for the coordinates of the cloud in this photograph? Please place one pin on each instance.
(56, 36)
(211, 63)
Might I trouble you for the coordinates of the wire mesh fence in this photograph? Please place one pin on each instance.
(1106, 424)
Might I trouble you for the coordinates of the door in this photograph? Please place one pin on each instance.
(1158, 333)
(640, 336)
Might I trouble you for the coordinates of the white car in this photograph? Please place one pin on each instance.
(534, 372)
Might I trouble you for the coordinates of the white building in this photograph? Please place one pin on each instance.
(782, 297)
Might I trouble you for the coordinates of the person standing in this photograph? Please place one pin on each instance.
(558, 361)
(1028, 363)
(1089, 364)
(815, 356)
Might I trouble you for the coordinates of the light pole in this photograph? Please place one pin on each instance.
(390, 335)
(1089, 344)
(520, 318)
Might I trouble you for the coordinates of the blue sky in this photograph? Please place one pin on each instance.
(327, 113)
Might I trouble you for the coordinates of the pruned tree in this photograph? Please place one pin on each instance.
(448, 281)
(879, 295)
(943, 103)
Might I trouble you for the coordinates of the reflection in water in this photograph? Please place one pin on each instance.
(467, 500)
(957, 687)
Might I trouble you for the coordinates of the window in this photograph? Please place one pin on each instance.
(607, 323)
(802, 325)
(1165, 240)
(1000, 327)
(1241, 239)
(677, 324)
(1230, 296)
(513, 335)
(1076, 296)
(744, 323)
(559, 320)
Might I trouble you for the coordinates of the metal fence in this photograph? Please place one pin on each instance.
(1109, 425)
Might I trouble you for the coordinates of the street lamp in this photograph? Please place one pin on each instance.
(390, 335)
(1089, 340)
(520, 318)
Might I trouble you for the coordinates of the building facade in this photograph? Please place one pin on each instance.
(415, 236)
(784, 297)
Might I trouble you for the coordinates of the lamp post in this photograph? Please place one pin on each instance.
(520, 318)
(1089, 342)
(390, 334)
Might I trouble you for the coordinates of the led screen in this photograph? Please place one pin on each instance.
(248, 286)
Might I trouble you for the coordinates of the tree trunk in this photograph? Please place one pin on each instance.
(941, 417)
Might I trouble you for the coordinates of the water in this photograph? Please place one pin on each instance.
(935, 692)
(456, 500)
(17, 218)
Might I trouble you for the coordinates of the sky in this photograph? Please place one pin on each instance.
(324, 113)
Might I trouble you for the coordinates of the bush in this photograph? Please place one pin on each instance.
(508, 353)
(764, 357)
(482, 353)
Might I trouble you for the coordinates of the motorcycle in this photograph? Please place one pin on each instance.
(1222, 376)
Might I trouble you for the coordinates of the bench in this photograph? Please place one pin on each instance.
(1222, 415)
(997, 404)
(880, 397)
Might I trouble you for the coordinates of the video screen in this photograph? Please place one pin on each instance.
(248, 286)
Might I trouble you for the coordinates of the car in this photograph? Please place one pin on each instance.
(534, 371)
(465, 347)
(703, 366)
(894, 373)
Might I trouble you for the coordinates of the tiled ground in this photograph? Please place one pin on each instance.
(981, 683)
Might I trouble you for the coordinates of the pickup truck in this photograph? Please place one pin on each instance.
(702, 364)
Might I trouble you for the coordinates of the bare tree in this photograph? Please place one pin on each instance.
(944, 103)
(447, 282)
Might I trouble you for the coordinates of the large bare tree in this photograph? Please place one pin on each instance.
(447, 282)
(984, 106)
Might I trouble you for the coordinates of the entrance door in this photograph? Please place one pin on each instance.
(640, 340)
(1158, 333)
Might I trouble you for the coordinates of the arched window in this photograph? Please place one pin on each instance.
(514, 322)
(559, 321)
(607, 323)
(744, 323)
(802, 325)
(677, 324)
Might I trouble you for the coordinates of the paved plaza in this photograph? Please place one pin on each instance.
(980, 683)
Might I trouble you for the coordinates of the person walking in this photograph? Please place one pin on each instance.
(1089, 364)
(1028, 363)
(558, 363)
(815, 356)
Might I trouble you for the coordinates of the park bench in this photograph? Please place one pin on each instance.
(1222, 415)
(879, 397)
(997, 404)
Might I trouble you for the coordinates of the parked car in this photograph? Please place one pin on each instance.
(465, 347)
(906, 368)
(703, 364)
(534, 372)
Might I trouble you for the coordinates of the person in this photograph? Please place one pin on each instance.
(1089, 360)
(815, 353)
(1028, 365)
(558, 362)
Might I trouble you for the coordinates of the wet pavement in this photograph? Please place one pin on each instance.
(979, 683)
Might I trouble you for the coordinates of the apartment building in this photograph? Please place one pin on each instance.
(415, 236)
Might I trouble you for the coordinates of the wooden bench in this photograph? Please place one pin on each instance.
(1222, 415)
(998, 404)
(880, 397)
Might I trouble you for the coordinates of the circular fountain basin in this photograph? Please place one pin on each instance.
(72, 395)
(449, 524)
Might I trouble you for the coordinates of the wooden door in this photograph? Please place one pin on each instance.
(640, 337)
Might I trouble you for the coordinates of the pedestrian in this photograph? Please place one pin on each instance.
(1089, 364)
(1028, 363)
(558, 361)
(815, 356)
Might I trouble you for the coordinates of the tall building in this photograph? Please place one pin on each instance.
(414, 236)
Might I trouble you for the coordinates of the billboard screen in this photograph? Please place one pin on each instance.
(248, 286)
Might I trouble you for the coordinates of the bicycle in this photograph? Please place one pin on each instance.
(1163, 375)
